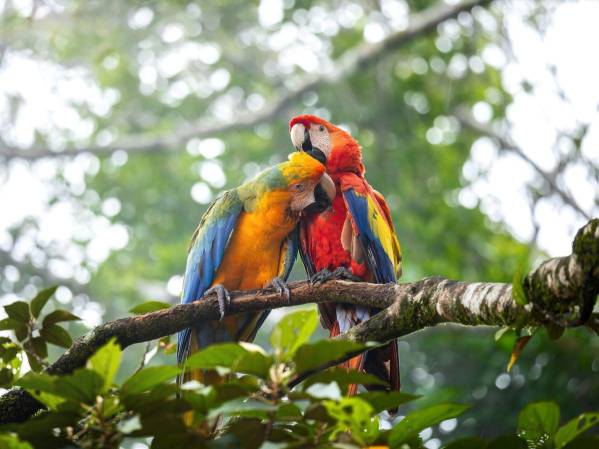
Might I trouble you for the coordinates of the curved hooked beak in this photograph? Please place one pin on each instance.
(328, 186)
(300, 138)
(299, 135)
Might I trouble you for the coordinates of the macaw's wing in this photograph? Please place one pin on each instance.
(396, 247)
(372, 228)
(304, 248)
(206, 252)
(289, 253)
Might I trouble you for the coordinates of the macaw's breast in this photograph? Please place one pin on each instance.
(255, 253)
(324, 231)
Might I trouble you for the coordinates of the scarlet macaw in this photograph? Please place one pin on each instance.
(247, 240)
(352, 239)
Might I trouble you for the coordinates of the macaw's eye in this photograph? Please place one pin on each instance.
(298, 187)
(321, 128)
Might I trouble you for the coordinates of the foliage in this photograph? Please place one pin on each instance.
(252, 406)
(32, 332)
(151, 84)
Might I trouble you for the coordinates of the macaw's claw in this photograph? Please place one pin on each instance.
(281, 288)
(320, 277)
(223, 297)
(340, 273)
(343, 274)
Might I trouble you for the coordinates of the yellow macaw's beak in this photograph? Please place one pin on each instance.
(328, 186)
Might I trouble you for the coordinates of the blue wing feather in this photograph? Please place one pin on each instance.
(379, 261)
(206, 253)
(291, 247)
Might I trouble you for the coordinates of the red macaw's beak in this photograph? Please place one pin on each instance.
(298, 136)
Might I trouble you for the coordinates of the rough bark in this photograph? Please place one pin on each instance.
(562, 290)
(353, 59)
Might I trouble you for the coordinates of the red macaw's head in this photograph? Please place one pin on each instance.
(331, 145)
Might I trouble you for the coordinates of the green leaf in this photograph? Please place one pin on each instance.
(22, 332)
(6, 376)
(249, 432)
(34, 363)
(538, 421)
(518, 289)
(11, 324)
(149, 306)
(575, 427)
(292, 331)
(8, 441)
(242, 357)
(57, 316)
(56, 335)
(288, 412)
(83, 385)
(386, 400)
(106, 362)
(250, 408)
(37, 381)
(42, 387)
(254, 362)
(418, 420)
(501, 332)
(311, 356)
(18, 310)
(342, 377)
(148, 378)
(216, 355)
(40, 300)
(40, 347)
(353, 415)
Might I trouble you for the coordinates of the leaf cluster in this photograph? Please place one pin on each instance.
(251, 403)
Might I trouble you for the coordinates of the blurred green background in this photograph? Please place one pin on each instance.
(127, 80)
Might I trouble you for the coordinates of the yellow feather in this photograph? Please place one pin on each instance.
(384, 232)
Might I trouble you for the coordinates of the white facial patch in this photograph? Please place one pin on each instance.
(320, 138)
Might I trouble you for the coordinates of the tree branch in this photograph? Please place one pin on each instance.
(560, 288)
(467, 121)
(358, 57)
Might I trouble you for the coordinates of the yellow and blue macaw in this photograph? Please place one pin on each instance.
(247, 239)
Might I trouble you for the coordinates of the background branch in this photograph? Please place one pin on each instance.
(559, 288)
(358, 57)
(467, 121)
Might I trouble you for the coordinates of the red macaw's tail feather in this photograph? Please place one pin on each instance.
(384, 364)
(355, 363)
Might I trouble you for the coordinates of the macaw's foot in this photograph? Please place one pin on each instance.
(223, 297)
(281, 288)
(341, 273)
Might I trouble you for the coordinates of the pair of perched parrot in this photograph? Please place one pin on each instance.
(317, 202)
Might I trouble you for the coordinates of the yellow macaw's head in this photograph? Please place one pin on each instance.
(289, 184)
(301, 174)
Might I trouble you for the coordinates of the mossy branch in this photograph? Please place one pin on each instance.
(562, 290)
